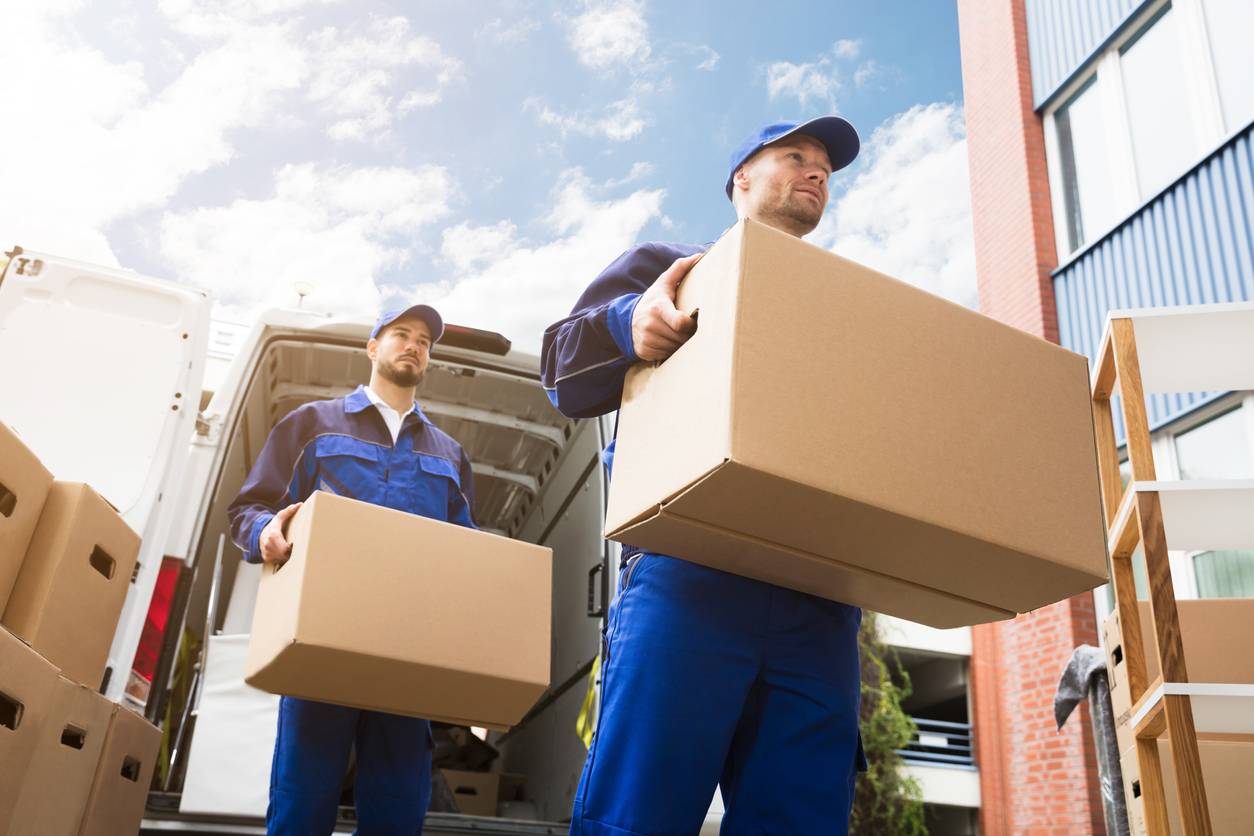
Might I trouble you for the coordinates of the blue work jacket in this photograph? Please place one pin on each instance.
(584, 357)
(344, 446)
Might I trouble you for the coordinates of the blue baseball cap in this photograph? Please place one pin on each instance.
(426, 313)
(837, 135)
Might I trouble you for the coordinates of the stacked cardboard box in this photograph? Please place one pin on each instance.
(361, 615)
(1207, 628)
(24, 483)
(66, 560)
(482, 793)
(1227, 768)
(839, 432)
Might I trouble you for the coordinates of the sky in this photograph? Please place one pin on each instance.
(488, 157)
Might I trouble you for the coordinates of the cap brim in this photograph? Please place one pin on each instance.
(838, 137)
(426, 313)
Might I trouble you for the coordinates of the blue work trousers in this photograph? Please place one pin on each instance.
(711, 679)
(393, 785)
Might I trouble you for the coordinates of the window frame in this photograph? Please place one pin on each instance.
(1106, 75)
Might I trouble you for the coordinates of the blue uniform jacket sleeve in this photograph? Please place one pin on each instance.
(280, 476)
(462, 502)
(585, 356)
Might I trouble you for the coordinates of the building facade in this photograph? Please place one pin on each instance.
(1112, 166)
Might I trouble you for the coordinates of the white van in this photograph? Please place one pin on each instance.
(101, 373)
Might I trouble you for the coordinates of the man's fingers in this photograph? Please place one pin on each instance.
(676, 272)
(678, 321)
(286, 513)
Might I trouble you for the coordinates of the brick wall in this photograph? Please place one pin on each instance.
(1033, 778)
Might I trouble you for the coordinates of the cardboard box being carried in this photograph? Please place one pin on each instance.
(119, 789)
(27, 684)
(59, 778)
(836, 431)
(73, 582)
(371, 611)
(1227, 767)
(24, 483)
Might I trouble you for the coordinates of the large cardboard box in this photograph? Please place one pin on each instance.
(475, 793)
(24, 483)
(27, 684)
(73, 582)
(1227, 770)
(119, 789)
(371, 611)
(58, 780)
(837, 431)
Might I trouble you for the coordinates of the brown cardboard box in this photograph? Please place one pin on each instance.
(371, 611)
(119, 789)
(27, 684)
(73, 582)
(54, 792)
(1207, 628)
(1227, 770)
(834, 430)
(476, 793)
(24, 483)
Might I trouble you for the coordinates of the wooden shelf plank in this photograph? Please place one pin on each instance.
(1190, 348)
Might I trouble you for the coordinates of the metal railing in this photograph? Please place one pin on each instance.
(939, 743)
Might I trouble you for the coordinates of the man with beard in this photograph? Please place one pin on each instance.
(710, 679)
(373, 445)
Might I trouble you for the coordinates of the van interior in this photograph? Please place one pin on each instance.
(538, 478)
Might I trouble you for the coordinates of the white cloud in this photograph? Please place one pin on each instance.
(846, 48)
(908, 213)
(609, 33)
(358, 74)
(709, 58)
(499, 32)
(104, 144)
(866, 72)
(618, 121)
(818, 80)
(465, 245)
(336, 228)
(527, 286)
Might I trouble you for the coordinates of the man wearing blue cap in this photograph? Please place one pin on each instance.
(374, 445)
(710, 679)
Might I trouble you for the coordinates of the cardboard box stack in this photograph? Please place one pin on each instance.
(361, 615)
(851, 436)
(66, 560)
(24, 483)
(1207, 628)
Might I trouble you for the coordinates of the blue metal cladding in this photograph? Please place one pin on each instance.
(1063, 35)
(1192, 244)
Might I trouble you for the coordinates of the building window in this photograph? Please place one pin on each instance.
(1229, 24)
(1224, 574)
(1084, 169)
(1218, 449)
(1157, 102)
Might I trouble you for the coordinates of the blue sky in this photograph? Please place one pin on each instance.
(490, 157)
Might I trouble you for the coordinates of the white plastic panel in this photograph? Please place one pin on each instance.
(1202, 515)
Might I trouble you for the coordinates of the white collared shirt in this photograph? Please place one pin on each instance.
(391, 417)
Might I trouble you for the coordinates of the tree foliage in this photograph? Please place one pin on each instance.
(886, 800)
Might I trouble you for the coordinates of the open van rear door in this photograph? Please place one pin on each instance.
(100, 373)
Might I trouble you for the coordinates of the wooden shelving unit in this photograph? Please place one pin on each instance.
(1163, 350)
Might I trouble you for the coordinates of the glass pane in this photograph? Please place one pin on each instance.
(1230, 26)
(1085, 174)
(1226, 574)
(1158, 107)
(1218, 449)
